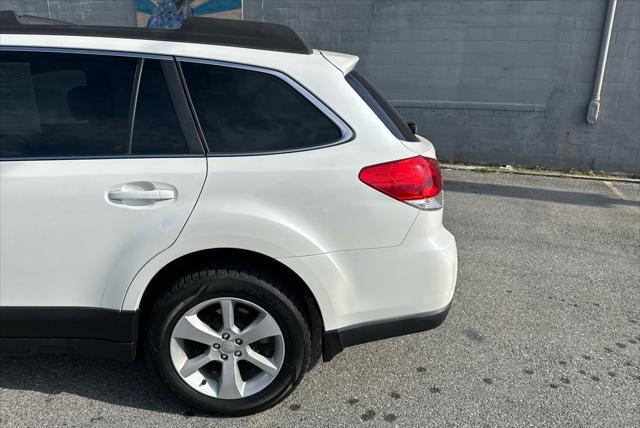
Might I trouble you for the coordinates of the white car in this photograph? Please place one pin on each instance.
(220, 198)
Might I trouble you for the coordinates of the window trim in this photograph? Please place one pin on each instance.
(133, 103)
(347, 133)
(179, 109)
(382, 108)
(81, 51)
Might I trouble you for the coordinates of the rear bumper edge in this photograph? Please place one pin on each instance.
(334, 341)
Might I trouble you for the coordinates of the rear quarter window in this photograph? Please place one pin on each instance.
(245, 111)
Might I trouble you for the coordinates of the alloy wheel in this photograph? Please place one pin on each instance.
(227, 348)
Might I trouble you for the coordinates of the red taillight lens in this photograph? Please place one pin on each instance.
(406, 180)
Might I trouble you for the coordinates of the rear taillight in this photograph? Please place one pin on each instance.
(416, 181)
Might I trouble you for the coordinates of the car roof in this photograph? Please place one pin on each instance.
(209, 31)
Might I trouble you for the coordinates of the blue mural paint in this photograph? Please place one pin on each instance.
(145, 6)
(170, 14)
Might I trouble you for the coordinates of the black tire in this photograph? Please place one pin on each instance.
(257, 287)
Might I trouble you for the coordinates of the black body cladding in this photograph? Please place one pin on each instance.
(334, 341)
(209, 31)
(87, 331)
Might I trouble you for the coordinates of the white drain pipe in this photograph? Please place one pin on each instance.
(594, 105)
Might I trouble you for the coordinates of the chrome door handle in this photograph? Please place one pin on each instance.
(142, 195)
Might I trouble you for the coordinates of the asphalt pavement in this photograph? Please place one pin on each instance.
(544, 330)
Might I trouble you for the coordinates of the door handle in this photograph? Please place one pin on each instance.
(142, 195)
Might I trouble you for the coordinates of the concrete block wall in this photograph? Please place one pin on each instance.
(491, 81)
(93, 12)
(488, 81)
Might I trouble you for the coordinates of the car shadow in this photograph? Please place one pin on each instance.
(536, 194)
(130, 384)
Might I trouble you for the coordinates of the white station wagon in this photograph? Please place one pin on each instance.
(220, 198)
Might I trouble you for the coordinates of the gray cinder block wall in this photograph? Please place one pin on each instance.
(92, 12)
(488, 81)
(491, 81)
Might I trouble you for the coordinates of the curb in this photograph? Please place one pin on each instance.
(539, 173)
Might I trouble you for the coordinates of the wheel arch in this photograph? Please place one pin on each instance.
(164, 277)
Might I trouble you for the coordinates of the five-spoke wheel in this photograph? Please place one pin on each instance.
(212, 341)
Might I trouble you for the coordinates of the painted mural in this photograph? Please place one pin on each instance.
(170, 14)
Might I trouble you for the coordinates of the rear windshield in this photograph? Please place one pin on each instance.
(381, 107)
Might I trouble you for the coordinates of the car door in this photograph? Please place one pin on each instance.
(100, 168)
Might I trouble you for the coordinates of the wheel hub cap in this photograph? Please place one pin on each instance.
(228, 347)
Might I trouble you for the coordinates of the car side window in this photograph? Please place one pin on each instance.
(246, 111)
(57, 105)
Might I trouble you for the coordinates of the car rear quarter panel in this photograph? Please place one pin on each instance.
(287, 205)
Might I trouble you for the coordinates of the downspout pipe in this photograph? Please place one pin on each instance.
(594, 105)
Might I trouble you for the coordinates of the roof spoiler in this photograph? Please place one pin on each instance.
(343, 62)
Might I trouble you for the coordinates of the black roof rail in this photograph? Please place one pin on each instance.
(209, 31)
